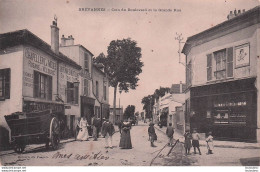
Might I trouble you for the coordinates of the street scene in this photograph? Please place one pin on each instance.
(91, 153)
(87, 83)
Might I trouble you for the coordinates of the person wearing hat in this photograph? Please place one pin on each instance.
(108, 130)
(187, 141)
(195, 141)
(209, 141)
(152, 134)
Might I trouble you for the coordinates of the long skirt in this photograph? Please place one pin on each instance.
(83, 134)
(125, 140)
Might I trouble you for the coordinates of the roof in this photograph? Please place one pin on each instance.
(79, 45)
(241, 21)
(25, 37)
(97, 67)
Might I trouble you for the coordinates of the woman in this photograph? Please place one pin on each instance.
(187, 142)
(152, 134)
(83, 132)
(125, 140)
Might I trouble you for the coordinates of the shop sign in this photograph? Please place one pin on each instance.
(32, 106)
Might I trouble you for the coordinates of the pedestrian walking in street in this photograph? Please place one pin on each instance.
(99, 124)
(108, 130)
(187, 142)
(169, 133)
(77, 128)
(95, 128)
(83, 132)
(210, 144)
(195, 141)
(152, 134)
(125, 139)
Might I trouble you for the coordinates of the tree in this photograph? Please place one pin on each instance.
(122, 65)
(129, 112)
(148, 103)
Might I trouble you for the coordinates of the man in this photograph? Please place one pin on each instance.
(169, 133)
(108, 130)
(99, 125)
(95, 126)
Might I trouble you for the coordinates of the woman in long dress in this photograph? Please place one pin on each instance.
(83, 132)
(125, 140)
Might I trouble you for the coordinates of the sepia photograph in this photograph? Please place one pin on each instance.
(129, 83)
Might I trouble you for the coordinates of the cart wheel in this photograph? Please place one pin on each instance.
(19, 148)
(54, 133)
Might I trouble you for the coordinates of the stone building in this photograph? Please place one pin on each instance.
(222, 76)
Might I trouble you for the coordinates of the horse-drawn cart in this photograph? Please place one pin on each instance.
(33, 128)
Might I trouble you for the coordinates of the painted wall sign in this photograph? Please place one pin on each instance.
(242, 55)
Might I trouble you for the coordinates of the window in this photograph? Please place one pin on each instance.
(5, 83)
(72, 93)
(42, 86)
(85, 87)
(97, 91)
(86, 62)
(230, 62)
(220, 57)
(105, 92)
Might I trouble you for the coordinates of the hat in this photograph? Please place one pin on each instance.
(151, 123)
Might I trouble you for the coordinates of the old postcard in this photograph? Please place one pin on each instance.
(129, 83)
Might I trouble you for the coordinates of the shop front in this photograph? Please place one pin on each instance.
(87, 107)
(227, 109)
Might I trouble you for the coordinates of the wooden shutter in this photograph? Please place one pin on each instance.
(7, 74)
(209, 67)
(230, 62)
(36, 85)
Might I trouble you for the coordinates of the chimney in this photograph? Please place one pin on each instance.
(55, 36)
(180, 86)
(67, 41)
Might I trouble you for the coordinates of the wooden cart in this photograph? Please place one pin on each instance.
(33, 128)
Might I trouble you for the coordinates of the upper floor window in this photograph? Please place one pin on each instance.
(223, 67)
(5, 83)
(72, 93)
(86, 62)
(85, 87)
(221, 62)
(42, 86)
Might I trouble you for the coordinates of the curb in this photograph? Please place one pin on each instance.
(220, 145)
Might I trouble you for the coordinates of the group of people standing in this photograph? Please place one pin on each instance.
(107, 130)
(192, 140)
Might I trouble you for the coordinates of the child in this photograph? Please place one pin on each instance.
(195, 141)
(209, 141)
(169, 133)
(187, 142)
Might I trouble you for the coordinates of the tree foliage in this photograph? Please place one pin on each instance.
(148, 101)
(129, 112)
(122, 65)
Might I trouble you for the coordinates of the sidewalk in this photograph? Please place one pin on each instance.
(217, 143)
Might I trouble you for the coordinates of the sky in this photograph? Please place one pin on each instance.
(154, 31)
